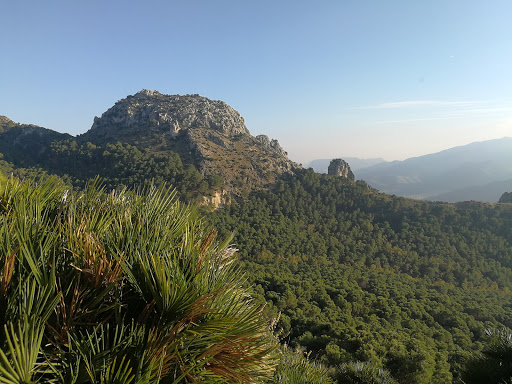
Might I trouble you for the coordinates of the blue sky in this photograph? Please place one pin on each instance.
(383, 78)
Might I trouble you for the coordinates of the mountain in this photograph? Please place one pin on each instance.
(6, 123)
(190, 139)
(25, 144)
(456, 174)
(506, 197)
(488, 193)
(321, 165)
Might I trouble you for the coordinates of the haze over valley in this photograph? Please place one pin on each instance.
(478, 171)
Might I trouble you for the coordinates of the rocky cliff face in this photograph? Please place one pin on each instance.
(208, 134)
(273, 145)
(340, 168)
(151, 111)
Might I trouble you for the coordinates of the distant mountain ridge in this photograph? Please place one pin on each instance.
(212, 137)
(322, 165)
(477, 171)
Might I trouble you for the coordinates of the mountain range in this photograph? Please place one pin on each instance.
(480, 171)
(322, 165)
(210, 137)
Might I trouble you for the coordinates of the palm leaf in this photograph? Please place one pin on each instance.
(19, 364)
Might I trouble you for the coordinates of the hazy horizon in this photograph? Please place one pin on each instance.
(374, 79)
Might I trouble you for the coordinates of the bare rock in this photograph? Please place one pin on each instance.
(152, 111)
(273, 144)
(340, 168)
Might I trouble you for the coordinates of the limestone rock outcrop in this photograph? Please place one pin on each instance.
(152, 111)
(340, 168)
(273, 144)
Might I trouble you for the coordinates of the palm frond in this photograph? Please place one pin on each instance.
(122, 287)
(118, 373)
(19, 362)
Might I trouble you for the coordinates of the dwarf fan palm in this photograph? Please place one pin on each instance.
(295, 368)
(494, 364)
(121, 288)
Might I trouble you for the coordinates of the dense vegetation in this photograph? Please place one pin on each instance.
(409, 286)
(121, 288)
(118, 164)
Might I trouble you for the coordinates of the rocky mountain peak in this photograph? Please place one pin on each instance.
(208, 134)
(506, 198)
(152, 111)
(340, 168)
(147, 92)
(273, 145)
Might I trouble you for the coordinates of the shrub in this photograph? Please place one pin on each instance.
(121, 288)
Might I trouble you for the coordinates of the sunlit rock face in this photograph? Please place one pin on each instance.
(273, 144)
(153, 111)
(340, 168)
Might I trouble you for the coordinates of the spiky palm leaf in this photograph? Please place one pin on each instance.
(494, 364)
(128, 288)
(295, 368)
(19, 364)
(359, 372)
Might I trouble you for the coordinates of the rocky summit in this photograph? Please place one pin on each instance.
(153, 111)
(340, 168)
(182, 131)
(506, 198)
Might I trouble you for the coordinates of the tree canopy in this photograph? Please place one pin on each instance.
(408, 286)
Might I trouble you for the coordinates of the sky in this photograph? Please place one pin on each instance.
(340, 78)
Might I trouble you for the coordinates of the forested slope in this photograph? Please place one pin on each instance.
(117, 164)
(360, 275)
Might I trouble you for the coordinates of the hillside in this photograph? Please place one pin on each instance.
(489, 192)
(456, 174)
(203, 145)
(359, 275)
(506, 197)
